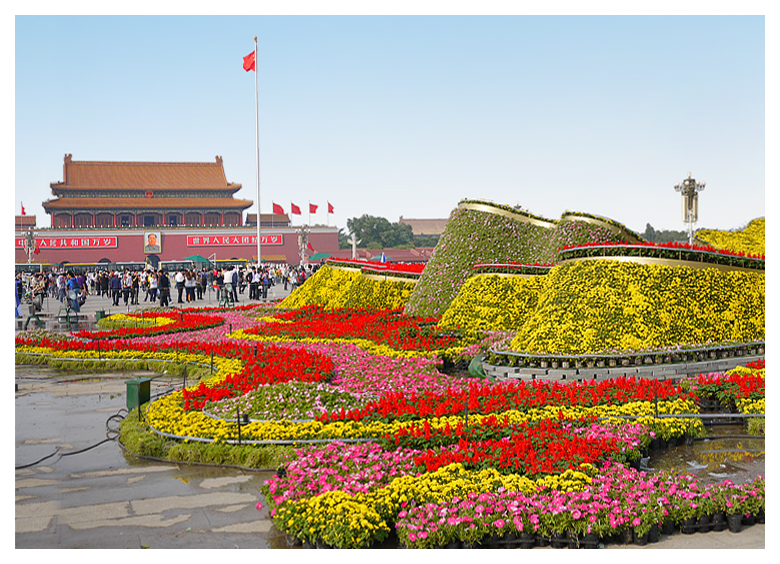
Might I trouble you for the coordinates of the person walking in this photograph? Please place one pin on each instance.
(135, 288)
(152, 287)
(74, 289)
(179, 278)
(116, 287)
(189, 286)
(164, 284)
(127, 286)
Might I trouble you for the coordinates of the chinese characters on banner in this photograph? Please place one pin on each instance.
(71, 243)
(232, 240)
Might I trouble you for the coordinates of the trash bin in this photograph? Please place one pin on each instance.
(99, 314)
(137, 392)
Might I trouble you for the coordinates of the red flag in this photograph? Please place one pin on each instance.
(308, 246)
(278, 209)
(330, 208)
(312, 208)
(295, 209)
(23, 212)
(249, 62)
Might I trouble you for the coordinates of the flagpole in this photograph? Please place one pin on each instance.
(257, 156)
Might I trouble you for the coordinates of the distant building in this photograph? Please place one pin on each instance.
(144, 194)
(268, 220)
(425, 226)
(153, 212)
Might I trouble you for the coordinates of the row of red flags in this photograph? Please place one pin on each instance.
(297, 211)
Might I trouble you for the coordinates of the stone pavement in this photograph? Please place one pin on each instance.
(103, 498)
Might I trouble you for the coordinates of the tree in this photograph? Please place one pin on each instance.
(378, 233)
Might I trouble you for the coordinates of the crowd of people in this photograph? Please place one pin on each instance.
(184, 286)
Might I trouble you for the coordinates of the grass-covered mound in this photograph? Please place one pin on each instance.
(496, 234)
(750, 240)
(492, 303)
(599, 305)
(348, 288)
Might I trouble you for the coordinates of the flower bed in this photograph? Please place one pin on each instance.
(336, 288)
(593, 306)
(383, 327)
(673, 251)
(158, 323)
(482, 235)
(750, 240)
(451, 460)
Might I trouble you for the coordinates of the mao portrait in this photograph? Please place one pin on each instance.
(152, 242)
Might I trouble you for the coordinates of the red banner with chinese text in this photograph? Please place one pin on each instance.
(232, 240)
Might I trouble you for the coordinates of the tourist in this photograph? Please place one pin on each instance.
(74, 289)
(136, 283)
(179, 278)
(127, 286)
(115, 284)
(152, 286)
(164, 285)
(189, 286)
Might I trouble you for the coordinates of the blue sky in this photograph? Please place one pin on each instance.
(407, 115)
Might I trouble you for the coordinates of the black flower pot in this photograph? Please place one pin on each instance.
(704, 524)
(748, 521)
(591, 541)
(688, 526)
(761, 516)
(719, 522)
(655, 533)
(526, 540)
(671, 442)
(640, 540)
(561, 540)
(454, 544)
(321, 544)
(734, 521)
(668, 527)
(625, 536)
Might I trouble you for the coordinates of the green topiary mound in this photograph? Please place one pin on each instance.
(494, 233)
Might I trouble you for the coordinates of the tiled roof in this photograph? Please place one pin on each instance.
(425, 226)
(25, 221)
(267, 218)
(107, 175)
(60, 204)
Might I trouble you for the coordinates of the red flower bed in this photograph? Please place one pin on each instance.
(271, 365)
(182, 322)
(541, 447)
(495, 398)
(390, 328)
(262, 364)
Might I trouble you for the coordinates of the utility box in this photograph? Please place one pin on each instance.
(137, 392)
(100, 314)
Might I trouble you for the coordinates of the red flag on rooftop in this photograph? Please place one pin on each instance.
(249, 62)
(330, 208)
(278, 209)
(312, 208)
(295, 209)
(23, 212)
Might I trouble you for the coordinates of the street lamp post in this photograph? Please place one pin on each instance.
(690, 202)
